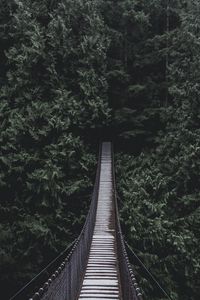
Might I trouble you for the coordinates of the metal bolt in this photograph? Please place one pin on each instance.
(132, 276)
(63, 265)
(134, 280)
(41, 291)
(53, 277)
(36, 296)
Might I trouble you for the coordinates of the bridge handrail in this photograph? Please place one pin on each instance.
(23, 292)
(130, 288)
(73, 267)
(66, 282)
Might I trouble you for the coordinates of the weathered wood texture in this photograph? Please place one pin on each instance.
(101, 279)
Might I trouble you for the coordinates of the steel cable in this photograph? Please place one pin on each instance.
(44, 270)
(149, 273)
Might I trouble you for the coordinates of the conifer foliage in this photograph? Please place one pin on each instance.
(161, 185)
(53, 93)
(70, 70)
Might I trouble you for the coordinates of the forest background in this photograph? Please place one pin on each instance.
(74, 72)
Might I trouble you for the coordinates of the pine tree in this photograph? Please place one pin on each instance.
(53, 94)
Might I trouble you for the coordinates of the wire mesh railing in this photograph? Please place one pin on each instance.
(43, 275)
(66, 281)
(129, 286)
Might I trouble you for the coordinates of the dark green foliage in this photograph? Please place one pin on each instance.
(161, 221)
(74, 71)
(160, 188)
(53, 90)
(137, 61)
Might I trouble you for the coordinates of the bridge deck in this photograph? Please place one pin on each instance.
(101, 279)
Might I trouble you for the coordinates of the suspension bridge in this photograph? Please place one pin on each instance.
(97, 266)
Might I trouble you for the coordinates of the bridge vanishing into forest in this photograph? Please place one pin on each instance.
(97, 266)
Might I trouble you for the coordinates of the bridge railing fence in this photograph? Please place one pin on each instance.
(66, 282)
(129, 286)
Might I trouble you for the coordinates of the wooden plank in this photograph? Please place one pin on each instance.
(101, 280)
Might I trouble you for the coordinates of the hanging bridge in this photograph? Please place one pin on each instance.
(97, 266)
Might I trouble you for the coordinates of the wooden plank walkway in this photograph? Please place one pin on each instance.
(101, 280)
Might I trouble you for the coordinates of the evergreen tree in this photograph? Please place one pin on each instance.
(71, 70)
(53, 93)
(162, 185)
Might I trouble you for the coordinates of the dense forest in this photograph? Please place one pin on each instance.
(74, 72)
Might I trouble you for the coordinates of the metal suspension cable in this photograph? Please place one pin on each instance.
(129, 284)
(64, 283)
(41, 272)
(149, 273)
